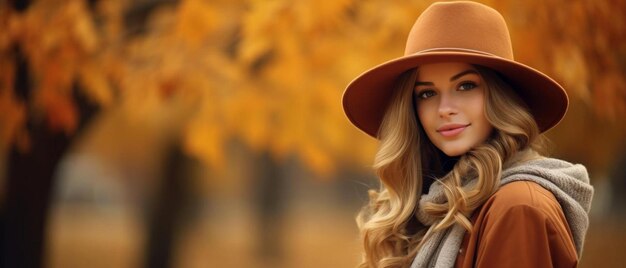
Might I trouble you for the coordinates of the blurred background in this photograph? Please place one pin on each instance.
(190, 133)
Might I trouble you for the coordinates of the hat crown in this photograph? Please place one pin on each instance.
(460, 25)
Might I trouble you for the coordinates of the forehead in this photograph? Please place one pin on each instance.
(441, 71)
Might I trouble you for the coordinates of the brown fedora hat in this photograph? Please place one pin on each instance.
(455, 32)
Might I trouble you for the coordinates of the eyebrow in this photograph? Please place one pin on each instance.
(454, 77)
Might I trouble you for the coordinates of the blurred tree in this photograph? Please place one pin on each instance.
(41, 103)
(269, 74)
(581, 44)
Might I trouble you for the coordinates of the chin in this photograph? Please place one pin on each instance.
(453, 152)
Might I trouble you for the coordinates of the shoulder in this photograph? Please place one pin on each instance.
(522, 201)
(522, 194)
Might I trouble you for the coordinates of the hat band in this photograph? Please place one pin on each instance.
(447, 49)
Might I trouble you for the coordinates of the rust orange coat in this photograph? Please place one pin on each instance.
(521, 225)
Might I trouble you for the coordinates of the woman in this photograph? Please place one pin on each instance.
(463, 181)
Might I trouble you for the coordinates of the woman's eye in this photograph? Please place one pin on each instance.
(467, 85)
(425, 94)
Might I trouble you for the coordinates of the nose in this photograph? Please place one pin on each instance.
(447, 106)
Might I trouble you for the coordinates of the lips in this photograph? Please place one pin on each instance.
(451, 130)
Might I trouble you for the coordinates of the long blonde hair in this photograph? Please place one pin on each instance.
(407, 163)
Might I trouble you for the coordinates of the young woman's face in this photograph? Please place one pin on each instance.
(449, 99)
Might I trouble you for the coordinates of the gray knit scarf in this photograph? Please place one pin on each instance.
(568, 182)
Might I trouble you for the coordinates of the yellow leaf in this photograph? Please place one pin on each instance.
(205, 140)
(96, 84)
(196, 19)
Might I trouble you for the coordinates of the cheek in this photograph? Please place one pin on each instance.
(480, 118)
(478, 111)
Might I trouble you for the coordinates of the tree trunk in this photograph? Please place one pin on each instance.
(30, 181)
(29, 188)
(166, 215)
(269, 191)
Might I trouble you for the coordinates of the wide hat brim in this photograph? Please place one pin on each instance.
(366, 98)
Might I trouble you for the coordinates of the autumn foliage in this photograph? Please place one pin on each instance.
(268, 73)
